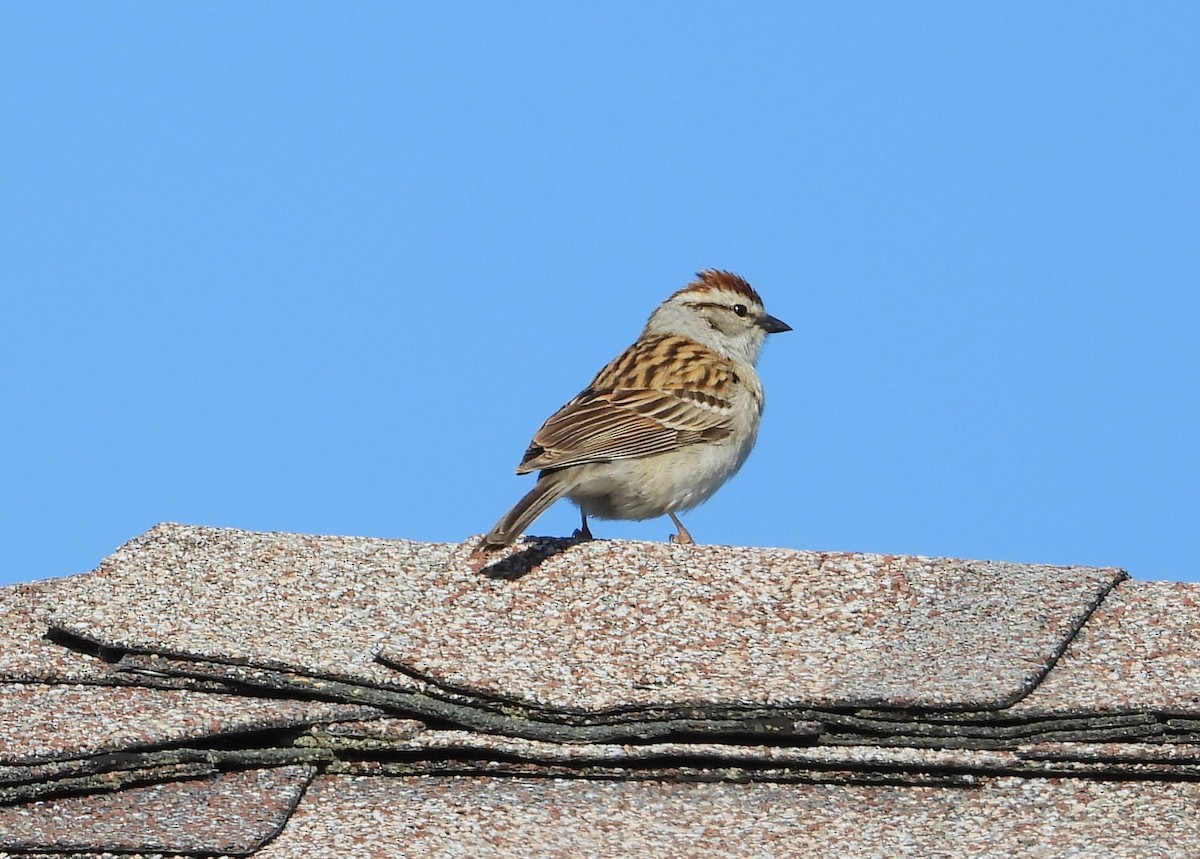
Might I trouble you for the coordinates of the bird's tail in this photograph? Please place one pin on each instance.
(545, 492)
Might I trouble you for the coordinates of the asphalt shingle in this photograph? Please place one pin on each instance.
(233, 813)
(443, 817)
(319, 605)
(608, 626)
(597, 627)
(25, 652)
(1141, 645)
(600, 699)
(47, 722)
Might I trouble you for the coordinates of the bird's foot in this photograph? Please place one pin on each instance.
(583, 533)
(683, 537)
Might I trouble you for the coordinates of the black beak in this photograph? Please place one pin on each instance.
(772, 325)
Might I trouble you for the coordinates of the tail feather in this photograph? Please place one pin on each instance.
(545, 492)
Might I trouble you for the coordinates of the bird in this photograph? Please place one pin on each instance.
(664, 424)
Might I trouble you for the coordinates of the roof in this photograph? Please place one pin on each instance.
(220, 692)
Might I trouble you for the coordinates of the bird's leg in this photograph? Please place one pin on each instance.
(683, 538)
(583, 533)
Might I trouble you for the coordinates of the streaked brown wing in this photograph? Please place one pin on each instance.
(680, 404)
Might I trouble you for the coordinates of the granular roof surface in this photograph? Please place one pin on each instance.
(232, 813)
(1142, 646)
(219, 692)
(598, 626)
(603, 626)
(391, 817)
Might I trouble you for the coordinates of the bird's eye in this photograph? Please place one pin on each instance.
(740, 309)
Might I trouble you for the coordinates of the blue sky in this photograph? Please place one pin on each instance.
(326, 267)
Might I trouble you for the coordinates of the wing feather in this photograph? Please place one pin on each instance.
(660, 394)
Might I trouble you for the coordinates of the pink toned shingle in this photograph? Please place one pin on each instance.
(608, 634)
(444, 817)
(25, 654)
(611, 625)
(599, 626)
(321, 605)
(232, 813)
(40, 722)
(1142, 645)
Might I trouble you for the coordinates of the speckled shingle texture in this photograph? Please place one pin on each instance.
(605, 699)
(24, 653)
(444, 817)
(320, 605)
(41, 722)
(232, 813)
(599, 626)
(610, 625)
(1142, 644)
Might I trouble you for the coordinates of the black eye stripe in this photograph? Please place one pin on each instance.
(739, 309)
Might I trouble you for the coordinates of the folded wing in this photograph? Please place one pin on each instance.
(625, 414)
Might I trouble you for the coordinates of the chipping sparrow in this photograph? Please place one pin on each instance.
(662, 426)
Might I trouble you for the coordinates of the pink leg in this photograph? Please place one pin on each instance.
(683, 538)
